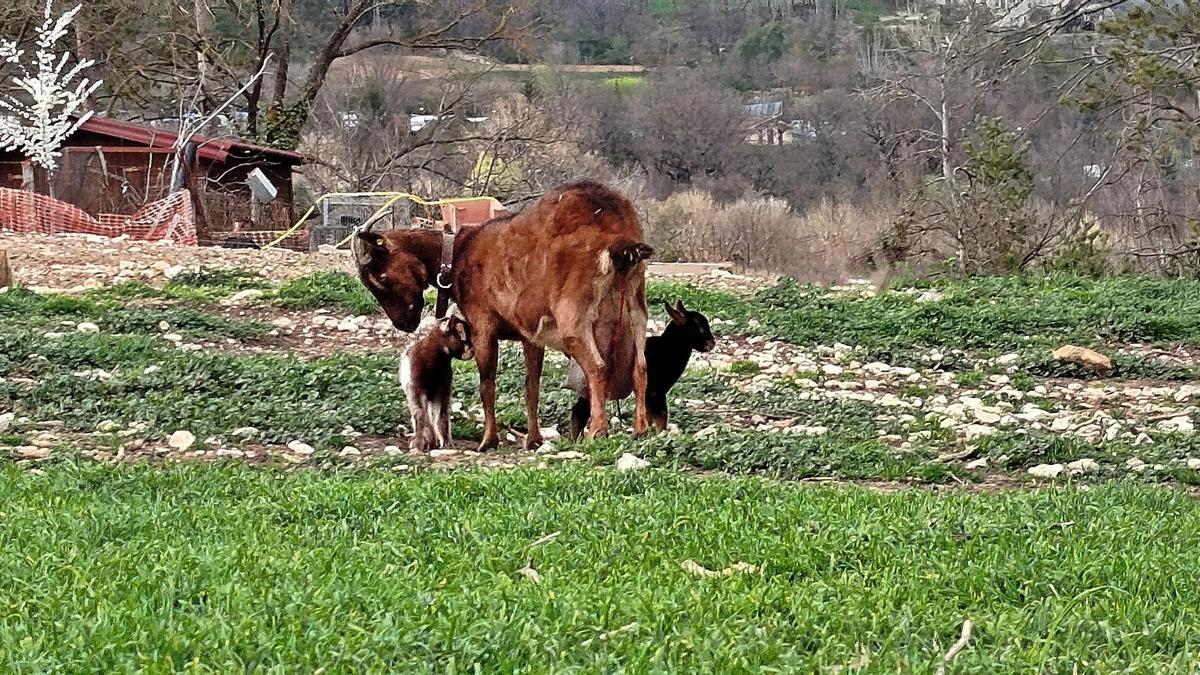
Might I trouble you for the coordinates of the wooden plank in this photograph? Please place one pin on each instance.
(119, 149)
(6, 271)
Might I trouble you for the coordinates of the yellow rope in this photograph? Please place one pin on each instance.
(393, 197)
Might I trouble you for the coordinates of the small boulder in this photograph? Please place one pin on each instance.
(1182, 424)
(631, 462)
(1090, 360)
(182, 440)
(1046, 470)
(32, 452)
(245, 296)
(301, 448)
(87, 327)
(1085, 465)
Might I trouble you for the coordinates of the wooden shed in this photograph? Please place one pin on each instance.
(114, 166)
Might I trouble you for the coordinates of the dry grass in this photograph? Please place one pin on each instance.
(765, 234)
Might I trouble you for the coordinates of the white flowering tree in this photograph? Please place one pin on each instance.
(39, 108)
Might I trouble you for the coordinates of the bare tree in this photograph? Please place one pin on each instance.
(465, 24)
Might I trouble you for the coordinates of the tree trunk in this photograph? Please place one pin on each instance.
(283, 53)
(6, 272)
(204, 28)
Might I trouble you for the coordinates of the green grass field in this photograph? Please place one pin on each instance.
(382, 564)
(227, 569)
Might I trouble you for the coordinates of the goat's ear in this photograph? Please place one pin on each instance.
(679, 307)
(375, 243)
(677, 315)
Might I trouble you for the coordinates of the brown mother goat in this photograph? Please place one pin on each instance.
(565, 273)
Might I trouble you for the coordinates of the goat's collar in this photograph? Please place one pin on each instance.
(444, 279)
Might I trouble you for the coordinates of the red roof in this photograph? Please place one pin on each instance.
(213, 149)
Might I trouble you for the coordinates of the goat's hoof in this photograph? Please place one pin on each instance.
(533, 441)
(489, 443)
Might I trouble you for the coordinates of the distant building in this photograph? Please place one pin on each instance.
(769, 109)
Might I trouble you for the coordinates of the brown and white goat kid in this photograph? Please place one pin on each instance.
(426, 375)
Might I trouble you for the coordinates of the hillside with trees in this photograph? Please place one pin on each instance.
(813, 138)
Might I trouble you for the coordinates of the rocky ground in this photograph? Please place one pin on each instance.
(952, 408)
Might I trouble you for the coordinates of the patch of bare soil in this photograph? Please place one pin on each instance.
(75, 262)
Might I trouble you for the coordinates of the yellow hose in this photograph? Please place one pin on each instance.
(393, 197)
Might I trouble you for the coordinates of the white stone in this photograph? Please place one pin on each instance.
(32, 452)
(631, 462)
(1193, 463)
(809, 430)
(245, 432)
(300, 448)
(1046, 470)
(1085, 465)
(980, 463)
(1181, 424)
(283, 323)
(87, 327)
(986, 416)
(890, 400)
(347, 326)
(1031, 413)
(6, 421)
(972, 431)
(438, 453)
(1007, 359)
(173, 337)
(350, 451)
(831, 369)
(173, 271)
(182, 440)
(245, 296)
(107, 426)
(164, 326)
(1135, 464)
(569, 454)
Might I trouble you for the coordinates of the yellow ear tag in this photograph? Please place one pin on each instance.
(379, 241)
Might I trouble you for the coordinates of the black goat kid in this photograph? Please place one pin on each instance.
(667, 357)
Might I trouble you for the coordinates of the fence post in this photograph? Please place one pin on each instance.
(6, 272)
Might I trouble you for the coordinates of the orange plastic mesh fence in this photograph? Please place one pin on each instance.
(169, 218)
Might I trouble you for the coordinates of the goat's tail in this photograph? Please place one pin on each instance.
(625, 255)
